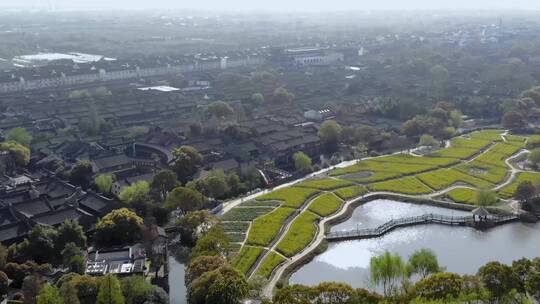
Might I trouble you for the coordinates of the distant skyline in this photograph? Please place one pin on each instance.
(276, 5)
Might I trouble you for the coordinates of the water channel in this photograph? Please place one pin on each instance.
(460, 249)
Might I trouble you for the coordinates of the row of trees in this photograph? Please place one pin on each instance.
(441, 122)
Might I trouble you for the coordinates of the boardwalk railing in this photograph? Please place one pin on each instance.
(416, 220)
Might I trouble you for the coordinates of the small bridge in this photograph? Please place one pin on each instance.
(472, 221)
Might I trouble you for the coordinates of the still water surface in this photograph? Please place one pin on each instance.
(177, 288)
(460, 249)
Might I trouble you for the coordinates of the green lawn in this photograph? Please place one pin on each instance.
(405, 185)
(245, 213)
(326, 204)
(293, 197)
(324, 183)
(351, 192)
(443, 178)
(509, 190)
(270, 262)
(462, 195)
(246, 258)
(300, 235)
(265, 229)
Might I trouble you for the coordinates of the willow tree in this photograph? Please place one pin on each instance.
(387, 270)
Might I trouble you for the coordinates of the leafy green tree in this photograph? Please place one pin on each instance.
(193, 224)
(185, 163)
(485, 197)
(295, 294)
(20, 135)
(534, 158)
(162, 183)
(70, 231)
(49, 294)
(110, 291)
(20, 153)
(424, 262)
(428, 141)
(104, 183)
(39, 245)
(87, 288)
(69, 251)
(136, 194)
(330, 133)
(498, 279)
(81, 173)
(214, 242)
(184, 199)
(202, 264)
(225, 285)
(69, 293)
(119, 227)
(220, 110)
(282, 96)
(77, 264)
(302, 162)
(135, 289)
(439, 286)
(388, 270)
(513, 120)
(257, 98)
(78, 94)
(456, 118)
(31, 288)
(525, 191)
(335, 292)
(532, 284)
(3, 256)
(217, 186)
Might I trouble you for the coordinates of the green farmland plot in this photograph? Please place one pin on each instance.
(293, 197)
(300, 235)
(491, 173)
(491, 135)
(497, 154)
(266, 228)
(246, 257)
(405, 185)
(469, 143)
(444, 178)
(351, 192)
(234, 226)
(245, 213)
(326, 204)
(462, 195)
(270, 262)
(457, 153)
(324, 183)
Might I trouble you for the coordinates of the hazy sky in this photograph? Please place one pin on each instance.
(311, 5)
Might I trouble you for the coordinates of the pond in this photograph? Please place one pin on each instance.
(460, 249)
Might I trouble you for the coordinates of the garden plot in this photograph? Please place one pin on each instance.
(491, 135)
(293, 197)
(493, 174)
(497, 154)
(241, 227)
(246, 257)
(266, 228)
(351, 192)
(462, 195)
(300, 234)
(255, 203)
(242, 214)
(270, 262)
(469, 143)
(406, 185)
(326, 204)
(444, 178)
(324, 183)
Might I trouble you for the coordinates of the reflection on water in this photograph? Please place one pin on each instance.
(177, 288)
(460, 249)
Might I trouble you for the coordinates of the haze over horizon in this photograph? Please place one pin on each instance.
(276, 5)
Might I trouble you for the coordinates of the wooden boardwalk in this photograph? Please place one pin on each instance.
(366, 233)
